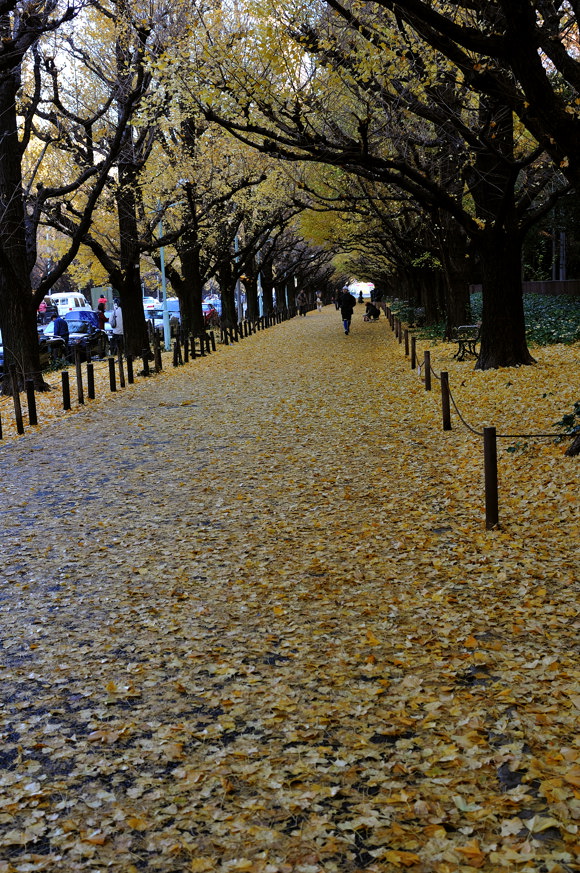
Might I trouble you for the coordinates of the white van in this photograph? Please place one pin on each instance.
(69, 302)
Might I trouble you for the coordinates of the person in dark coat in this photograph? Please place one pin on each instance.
(347, 305)
(372, 312)
(61, 329)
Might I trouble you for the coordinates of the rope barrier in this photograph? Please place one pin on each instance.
(505, 436)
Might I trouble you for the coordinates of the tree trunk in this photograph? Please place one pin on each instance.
(192, 319)
(134, 324)
(503, 329)
(229, 315)
(251, 285)
(456, 269)
(267, 287)
(17, 310)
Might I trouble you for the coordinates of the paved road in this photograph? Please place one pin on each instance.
(247, 619)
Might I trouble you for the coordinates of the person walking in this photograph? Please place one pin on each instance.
(118, 338)
(347, 305)
(319, 301)
(301, 303)
(101, 317)
(60, 328)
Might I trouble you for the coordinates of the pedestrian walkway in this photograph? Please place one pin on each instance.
(249, 622)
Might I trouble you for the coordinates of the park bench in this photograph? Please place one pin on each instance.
(467, 337)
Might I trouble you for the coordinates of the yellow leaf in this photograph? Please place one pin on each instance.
(137, 823)
(572, 776)
(472, 853)
(201, 865)
(371, 639)
(407, 859)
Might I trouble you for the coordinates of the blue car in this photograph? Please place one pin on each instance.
(50, 347)
(84, 333)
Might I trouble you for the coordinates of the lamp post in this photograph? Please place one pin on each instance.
(166, 328)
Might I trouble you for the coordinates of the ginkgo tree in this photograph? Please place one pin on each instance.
(354, 91)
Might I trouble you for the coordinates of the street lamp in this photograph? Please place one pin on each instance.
(166, 328)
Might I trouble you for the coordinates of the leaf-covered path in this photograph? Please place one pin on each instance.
(251, 620)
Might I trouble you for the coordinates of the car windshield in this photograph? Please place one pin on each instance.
(154, 313)
(78, 326)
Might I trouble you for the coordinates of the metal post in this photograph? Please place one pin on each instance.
(130, 376)
(79, 375)
(427, 366)
(121, 371)
(166, 326)
(112, 376)
(31, 401)
(90, 380)
(490, 471)
(445, 404)
(16, 398)
(65, 390)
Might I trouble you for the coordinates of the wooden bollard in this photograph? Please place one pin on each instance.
(121, 370)
(225, 338)
(427, 367)
(413, 352)
(90, 380)
(157, 353)
(201, 347)
(79, 376)
(130, 376)
(65, 390)
(445, 401)
(16, 399)
(233, 335)
(1, 427)
(175, 354)
(212, 340)
(185, 352)
(145, 359)
(246, 328)
(31, 401)
(112, 374)
(490, 472)
(207, 344)
(192, 344)
(406, 342)
(400, 334)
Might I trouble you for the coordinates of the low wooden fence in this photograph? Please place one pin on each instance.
(122, 369)
(488, 435)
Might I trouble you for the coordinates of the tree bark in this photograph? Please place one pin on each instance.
(267, 287)
(503, 328)
(19, 332)
(229, 315)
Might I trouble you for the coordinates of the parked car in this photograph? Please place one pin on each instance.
(68, 302)
(84, 332)
(50, 349)
(156, 316)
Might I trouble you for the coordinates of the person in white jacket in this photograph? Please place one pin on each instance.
(116, 321)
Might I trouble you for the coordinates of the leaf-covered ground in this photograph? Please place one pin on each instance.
(251, 619)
